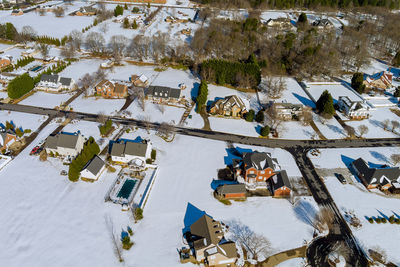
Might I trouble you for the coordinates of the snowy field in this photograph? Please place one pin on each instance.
(364, 203)
(49, 24)
(97, 105)
(14, 52)
(87, 129)
(24, 120)
(56, 218)
(336, 90)
(78, 69)
(235, 126)
(331, 128)
(47, 100)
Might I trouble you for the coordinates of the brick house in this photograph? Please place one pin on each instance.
(279, 184)
(109, 89)
(381, 80)
(375, 177)
(206, 239)
(139, 81)
(4, 62)
(256, 167)
(144, 1)
(232, 106)
(231, 191)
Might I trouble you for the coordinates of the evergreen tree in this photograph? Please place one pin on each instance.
(11, 32)
(397, 92)
(134, 25)
(126, 6)
(19, 86)
(265, 130)
(302, 18)
(249, 116)
(118, 11)
(126, 23)
(357, 82)
(202, 96)
(260, 116)
(325, 104)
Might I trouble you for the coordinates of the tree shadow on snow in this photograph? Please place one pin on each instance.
(194, 92)
(383, 215)
(335, 129)
(305, 212)
(379, 156)
(234, 153)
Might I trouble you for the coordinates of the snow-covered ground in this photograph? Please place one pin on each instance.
(24, 120)
(331, 128)
(49, 24)
(97, 105)
(363, 203)
(335, 89)
(46, 216)
(78, 69)
(87, 129)
(14, 52)
(47, 100)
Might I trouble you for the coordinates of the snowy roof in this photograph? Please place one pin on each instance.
(143, 78)
(163, 92)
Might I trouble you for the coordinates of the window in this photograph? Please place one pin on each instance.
(251, 172)
(262, 172)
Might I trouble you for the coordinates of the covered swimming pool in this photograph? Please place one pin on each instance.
(127, 188)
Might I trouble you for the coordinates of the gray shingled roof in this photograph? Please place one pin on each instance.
(65, 81)
(258, 160)
(67, 140)
(231, 189)
(117, 149)
(95, 165)
(370, 173)
(51, 142)
(279, 180)
(49, 78)
(163, 92)
(135, 149)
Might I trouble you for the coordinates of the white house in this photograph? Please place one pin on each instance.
(353, 109)
(93, 169)
(55, 83)
(65, 144)
(130, 151)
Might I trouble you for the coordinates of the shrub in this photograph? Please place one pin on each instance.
(397, 221)
(27, 131)
(135, 10)
(265, 130)
(19, 86)
(138, 214)
(396, 59)
(126, 23)
(249, 116)
(19, 133)
(397, 92)
(153, 154)
(302, 18)
(105, 128)
(225, 201)
(391, 219)
(130, 231)
(126, 242)
(371, 220)
(260, 116)
(111, 169)
(119, 10)
(134, 25)
(384, 220)
(149, 161)
(378, 220)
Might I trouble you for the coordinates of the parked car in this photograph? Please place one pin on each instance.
(340, 178)
(34, 150)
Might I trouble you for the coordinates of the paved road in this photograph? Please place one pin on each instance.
(318, 251)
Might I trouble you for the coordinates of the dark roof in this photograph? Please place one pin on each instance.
(369, 174)
(65, 81)
(135, 149)
(207, 230)
(258, 160)
(163, 92)
(279, 180)
(231, 189)
(95, 165)
(117, 149)
(67, 140)
(51, 142)
(49, 78)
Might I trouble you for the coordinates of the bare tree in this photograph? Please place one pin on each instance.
(324, 220)
(350, 130)
(272, 117)
(161, 108)
(256, 244)
(363, 129)
(147, 123)
(42, 11)
(114, 238)
(44, 49)
(99, 75)
(76, 39)
(59, 12)
(385, 124)
(104, 27)
(395, 125)
(138, 93)
(306, 115)
(68, 50)
(274, 86)
(27, 33)
(395, 159)
(101, 118)
(166, 129)
(95, 42)
(85, 82)
(118, 45)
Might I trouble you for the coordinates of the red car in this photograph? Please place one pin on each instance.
(34, 150)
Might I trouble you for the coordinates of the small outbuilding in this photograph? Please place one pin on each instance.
(93, 169)
(231, 191)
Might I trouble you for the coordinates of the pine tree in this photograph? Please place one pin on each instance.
(249, 115)
(260, 116)
(396, 59)
(325, 104)
(265, 130)
(134, 25)
(357, 82)
(126, 23)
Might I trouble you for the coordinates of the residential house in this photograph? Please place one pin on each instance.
(381, 80)
(375, 177)
(279, 23)
(357, 110)
(55, 83)
(86, 11)
(110, 89)
(146, 1)
(5, 61)
(206, 239)
(256, 167)
(93, 169)
(139, 81)
(130, 150)
(232, 106)
(322, 24)
(6, 140)
(279, 184)
(17, 12)
(289, 111)
(163, 94)
(231, 191)
(65, 144)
